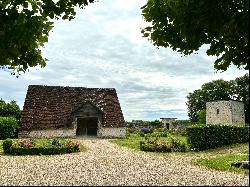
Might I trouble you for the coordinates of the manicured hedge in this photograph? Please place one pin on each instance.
(153, 144)
(202, 137)
(29, 147)
(8, 127)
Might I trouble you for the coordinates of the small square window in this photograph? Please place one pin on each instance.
(217, 111)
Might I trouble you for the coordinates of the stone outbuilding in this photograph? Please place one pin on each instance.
(168, 122)
(225, 112)
(56, 111)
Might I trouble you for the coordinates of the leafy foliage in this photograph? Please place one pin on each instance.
(6, 145)
(31, 147)
(185, 26)
(25, 27)
(10, 110)
(237, 89)
(8, 127)
(202, 116)
(154, 144)
(202, 137)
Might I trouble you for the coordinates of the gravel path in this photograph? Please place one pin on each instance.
(105, 163)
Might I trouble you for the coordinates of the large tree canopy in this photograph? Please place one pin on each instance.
(237, 89)
(25, 26)
(185, 25)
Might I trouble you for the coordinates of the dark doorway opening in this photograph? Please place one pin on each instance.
(167, 125)
(87, 126)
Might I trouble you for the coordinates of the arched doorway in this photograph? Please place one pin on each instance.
(87, 119)
(87, 126)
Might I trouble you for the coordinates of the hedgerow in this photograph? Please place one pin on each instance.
(30, 147)
(202, 137)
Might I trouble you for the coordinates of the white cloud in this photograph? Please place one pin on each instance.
(103, 47)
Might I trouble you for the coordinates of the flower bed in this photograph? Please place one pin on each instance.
(38, 147)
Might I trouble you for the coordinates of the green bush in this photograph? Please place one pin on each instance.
(202, 137)
(28, 147)
(202, 116)
(177, 145)
(57, 142)
(154, 144)
(179, 131)
(8, 127)
(7, 145)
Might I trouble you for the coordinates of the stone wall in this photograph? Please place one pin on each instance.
(238, 115)
(225, 112)
(48, 133)
(102, 133)
(111, 132)
(168, 122)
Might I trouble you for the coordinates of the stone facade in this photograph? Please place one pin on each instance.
(168, 122)
(225, 112)
(56, 110)
(48, 133)
(111, 132)
(71, 133)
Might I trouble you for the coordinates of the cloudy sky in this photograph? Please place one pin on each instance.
(103, 48)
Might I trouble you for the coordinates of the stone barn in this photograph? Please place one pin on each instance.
(168, 122)
(225, 112)
(56, 111)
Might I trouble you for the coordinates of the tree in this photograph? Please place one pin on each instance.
(25, 27)
(185, 25)
(237, 89)
(10, 109)
(240, 88)
(202, 116)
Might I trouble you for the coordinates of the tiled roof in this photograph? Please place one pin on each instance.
(50, 107)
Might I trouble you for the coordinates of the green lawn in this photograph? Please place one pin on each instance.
(217, 159)
(221, 158)
(133, 141)
(223, 163)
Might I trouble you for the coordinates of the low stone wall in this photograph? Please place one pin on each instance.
(47, 133)
(108, 132)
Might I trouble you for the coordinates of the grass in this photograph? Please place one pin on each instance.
(223, 163)
(222, 157)
(217, 159)
(133, 141)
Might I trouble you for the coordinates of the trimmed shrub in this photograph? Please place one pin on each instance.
(57, 142)
(8, 127)
(28, 147)
(153, 144)
(179, 131)
(160, 132)
(7, 145)
(177, 145)
(202, 137)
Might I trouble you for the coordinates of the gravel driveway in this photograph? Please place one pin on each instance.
(105, 163)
